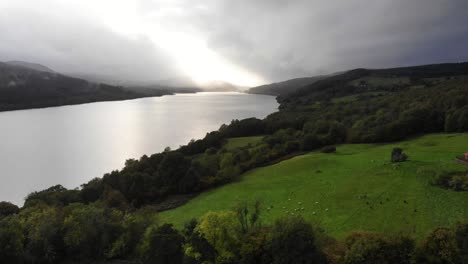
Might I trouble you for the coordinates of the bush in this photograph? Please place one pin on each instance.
(328, 149)
(457, 181)
(365, 247)
(310, 142)
(439, 247)
(398, 155)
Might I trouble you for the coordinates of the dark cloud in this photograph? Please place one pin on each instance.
(283, 40)
(275, 39)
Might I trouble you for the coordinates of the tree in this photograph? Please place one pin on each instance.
(310, 142)
(197, 249)
(90, 230)
(43, 227)
(221, 230)
(440, 247)
(461, 237)
(11, 240)
(7, 208)
(293, 241)
(162, 245)
(134, 226)
(369, 248)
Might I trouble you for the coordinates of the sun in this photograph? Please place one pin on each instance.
(203, 65)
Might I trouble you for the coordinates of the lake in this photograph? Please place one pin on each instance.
(70, 145)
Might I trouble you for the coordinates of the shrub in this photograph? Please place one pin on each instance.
(365, 247)
(328, 149)
(398, 155)
(457, 181)
(439, 247)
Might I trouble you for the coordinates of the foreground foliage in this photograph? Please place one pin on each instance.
(95, 233)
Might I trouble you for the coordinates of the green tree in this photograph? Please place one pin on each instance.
(11, 240)
(7, 208)
(43, 228)
(369, 248)
(293, 241)
(162, 245)
(440, 247)
(221, 230)
(134, 226)
(90, 230)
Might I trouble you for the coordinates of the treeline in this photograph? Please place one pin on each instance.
(94, 233)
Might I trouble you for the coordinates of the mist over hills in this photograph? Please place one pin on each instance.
(25, 85)
(32, 66)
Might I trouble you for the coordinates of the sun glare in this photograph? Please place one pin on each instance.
(193, 57)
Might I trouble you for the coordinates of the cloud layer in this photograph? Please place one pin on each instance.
(247, 40)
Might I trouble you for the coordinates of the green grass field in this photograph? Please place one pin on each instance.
(355, 189)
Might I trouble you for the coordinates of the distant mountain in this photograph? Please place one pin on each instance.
(177, 85)
(286, 87)
(211, 86)
(23, 87)
(32, 66)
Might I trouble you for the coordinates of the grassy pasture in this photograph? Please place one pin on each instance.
(355, 189)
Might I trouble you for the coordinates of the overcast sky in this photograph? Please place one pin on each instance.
(246, 42)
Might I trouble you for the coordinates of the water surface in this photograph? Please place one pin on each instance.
(70, 145)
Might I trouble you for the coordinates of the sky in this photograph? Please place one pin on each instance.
(244, 42)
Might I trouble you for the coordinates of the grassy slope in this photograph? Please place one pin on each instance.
(353, 171)
(239, 142)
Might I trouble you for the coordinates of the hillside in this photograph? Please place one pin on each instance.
(23, 86)
(284, 88)
(370, 83)
(355, 189)
(29, 65)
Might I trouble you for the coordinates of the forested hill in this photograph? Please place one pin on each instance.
(22, 86)
(367, 82)
(285, 87)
